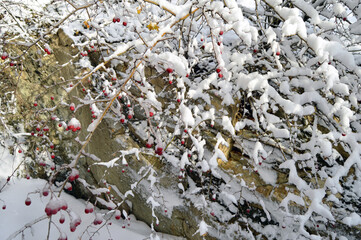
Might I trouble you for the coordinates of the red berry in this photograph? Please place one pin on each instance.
(117, 217)
(221, 33)
(60, 125)
(130, 116)
(61, 220)
(151, 114)
(148, 145)
(182, 142)
(219, 43)
(220, 75)
(122, 120)
(344, 19)
(72, 228)
(88, 169)
(185, 130)
(248, 210)
(114, 20)
(124, 24)
(278, 53)
(52, 146)
(343, 134)
(159, 151)
(178, 100)
(212, 213)
(71, 178)
(4, 207)
(12, 64)
(35, 104)
(218, 70)
(72, 108)
(169, 70)
(170, 82)
(8, 179)
(52, 156)
(255, 50)
(65, 206)
(27, 201)
(45, 193)
(123, 170)
(189, 155)
(187, 75)
(20, 151)
(165, 210)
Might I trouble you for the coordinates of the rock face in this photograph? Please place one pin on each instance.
(178, 215)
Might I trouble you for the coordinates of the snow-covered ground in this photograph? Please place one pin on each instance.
(17, 215)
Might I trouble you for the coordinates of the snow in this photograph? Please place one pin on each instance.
(353, 220)
(186, 116)
(227, 125)
(203, 228)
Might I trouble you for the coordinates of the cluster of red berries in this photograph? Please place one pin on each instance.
(74, 224)
(54, 206)
(118, 20)
(218, 70)
(74, 125)
(47, 51)
(89, 208)
(73, 175)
